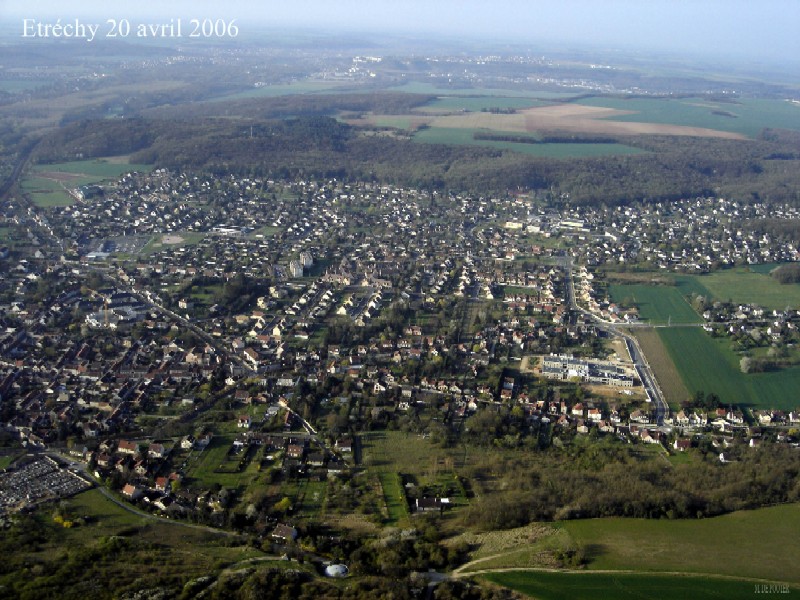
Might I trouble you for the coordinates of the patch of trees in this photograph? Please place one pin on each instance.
(548, 139)
(789, 273)
(603, 481)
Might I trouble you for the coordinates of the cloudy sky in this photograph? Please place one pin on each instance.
(758, 29)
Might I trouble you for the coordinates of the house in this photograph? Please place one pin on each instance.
(128, 447)
(295, 451)
(131, 491)
(284, 533)
(344, 444)
(430, 504)
(682, 444)
(156, 450)
(244, 422)
(187, 442)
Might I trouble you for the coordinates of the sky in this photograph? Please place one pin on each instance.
(767, 30)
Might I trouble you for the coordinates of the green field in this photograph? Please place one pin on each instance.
(477, 103)
(46, 193)
(418, 87)
(746, 116)
(287, 89)
(710, 365)
(396, 121)
(12, 86)
(623, 586)
(743, 286)
(91, 171)
(395, 498)
(465, 137)
(757, 544)
(657, 304)
(47, 185)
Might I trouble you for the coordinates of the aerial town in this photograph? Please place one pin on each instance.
(312, 311)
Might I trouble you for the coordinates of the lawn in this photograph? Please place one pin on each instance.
(746, 116)
(742, 285)
(710, 365)
(657, 304)
(394, 496)
(618, 586)
(753, 544)
(465, 137)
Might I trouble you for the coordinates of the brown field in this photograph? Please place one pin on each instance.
(664, 369)
(559, 118)
(571, 118)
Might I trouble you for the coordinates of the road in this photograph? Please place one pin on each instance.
(637, 356)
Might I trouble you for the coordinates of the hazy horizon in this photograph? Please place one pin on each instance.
(739, 30)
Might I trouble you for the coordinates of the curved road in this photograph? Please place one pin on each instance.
(637, 356)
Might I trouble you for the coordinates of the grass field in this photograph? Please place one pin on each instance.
(711, 366)
(622, 586)
(92, 170)
(465, 136)
(667, 375)
(117, 549)
(742, 285)
(394, 497)
(757, 544)
(657, 304)
(47, 184)
(418, 87)
(12, 86)
(747, 116)
(476, 103)
(287, 89)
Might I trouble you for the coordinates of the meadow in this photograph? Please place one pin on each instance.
(744, 116)
(742, 286)
(621, 586)
(709, 365)
(91, 171)
(112, 545)
(657, 304)
(286, 89)
(668, 377)
(47, 184)
(465, 136)
(757, 544)
(477, 103)
(418, 87)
